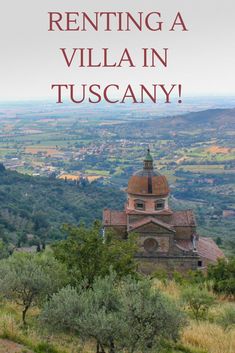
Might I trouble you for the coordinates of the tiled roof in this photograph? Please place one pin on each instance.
(114, 218)
(148, 220)
(180, 218)
(139, 185)
(183, 218)
(185, 245)
(206, 248)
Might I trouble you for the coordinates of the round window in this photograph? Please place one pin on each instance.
(150, 244)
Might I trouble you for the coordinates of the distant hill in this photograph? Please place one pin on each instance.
(214, 117)
(211, 118)
(39, 206)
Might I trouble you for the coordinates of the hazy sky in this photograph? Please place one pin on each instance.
(202, 59)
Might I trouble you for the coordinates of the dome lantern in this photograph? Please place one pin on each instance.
(148, 161)
(148, 181)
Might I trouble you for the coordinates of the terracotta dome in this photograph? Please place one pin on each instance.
(155, 185)
(148, 181)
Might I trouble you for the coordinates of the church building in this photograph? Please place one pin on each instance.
(166, 239)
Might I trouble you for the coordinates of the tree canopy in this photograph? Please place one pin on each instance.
(87, 253)
(198, 300)
(128, 315)
(222, 275)
(29, 278)
(38, 206)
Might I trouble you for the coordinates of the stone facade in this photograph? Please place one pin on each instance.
(166, 239)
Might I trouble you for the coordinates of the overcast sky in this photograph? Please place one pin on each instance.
(202, 59)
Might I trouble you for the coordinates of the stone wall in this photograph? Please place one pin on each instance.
(167, 264)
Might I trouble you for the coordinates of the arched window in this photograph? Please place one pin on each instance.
(159, 205)
(139, 205)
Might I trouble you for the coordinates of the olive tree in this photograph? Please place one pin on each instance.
(28, 278)
(198, 301)
(148, 317)
(118, 315)
(90, 313)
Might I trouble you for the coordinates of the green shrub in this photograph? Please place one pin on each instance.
(161, 274)
(45, 348)
(178, 278)
(227, 318)
(198, 301)
(223, 276)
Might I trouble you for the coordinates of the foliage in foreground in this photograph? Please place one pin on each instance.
(226, 319)
(197, 337)
(126, 316)
(87, 254)
(223, 276)
(220, 277)
(198, 301)
(209, 337)
(28, 279)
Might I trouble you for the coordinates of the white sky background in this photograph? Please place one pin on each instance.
(202, 59)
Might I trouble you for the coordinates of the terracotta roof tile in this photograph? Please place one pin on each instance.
(114, 218)
(184, 244)
(183, 218)
(180, 218)
(206, 248)
(138, 185)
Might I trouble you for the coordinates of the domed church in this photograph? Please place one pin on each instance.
(166, 239)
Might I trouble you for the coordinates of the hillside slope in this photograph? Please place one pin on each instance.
(39, 206)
